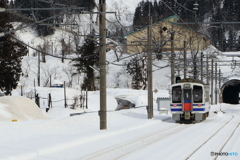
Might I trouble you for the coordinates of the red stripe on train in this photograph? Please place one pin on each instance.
(187, 107)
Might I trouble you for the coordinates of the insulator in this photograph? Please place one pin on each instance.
(195, 9)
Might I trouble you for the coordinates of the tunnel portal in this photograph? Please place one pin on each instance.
(230, 92)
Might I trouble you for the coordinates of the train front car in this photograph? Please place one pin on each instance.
(189, 101)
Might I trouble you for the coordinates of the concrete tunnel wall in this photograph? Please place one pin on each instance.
(230, 91)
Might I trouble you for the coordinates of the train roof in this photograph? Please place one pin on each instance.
(190, 80)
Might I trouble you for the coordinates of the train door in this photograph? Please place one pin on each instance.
(187, 99)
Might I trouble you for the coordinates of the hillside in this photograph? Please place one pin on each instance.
(54, 68)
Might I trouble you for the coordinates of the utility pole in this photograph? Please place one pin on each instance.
(65, 96)
(219, 78)
(149, 71)
(38, 78)
(207, 71)
(202, 66)
(172, 58)
(185, 59)
(212, 84)
(102, 60)
(216, 83)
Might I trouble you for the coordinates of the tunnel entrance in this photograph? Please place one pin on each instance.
(230, 92)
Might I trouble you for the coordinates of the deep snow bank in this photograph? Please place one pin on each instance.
(19, 108)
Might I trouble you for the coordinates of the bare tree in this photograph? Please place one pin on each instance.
(70, 72)
(47, 73)
(44, 48)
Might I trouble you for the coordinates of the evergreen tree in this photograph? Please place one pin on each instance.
(25, 4)
(231, 8)
(137, 69)
(138, 16)
(238, 44)
(224, 44)
(232, 40)
(89, 58)
(89, 4)
(11, 52)
(216, 30)
(44, 29)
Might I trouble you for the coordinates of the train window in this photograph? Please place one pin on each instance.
(187, 94)
(197, 94)
(176, 94)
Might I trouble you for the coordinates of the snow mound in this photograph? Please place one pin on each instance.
(20, 109)
(220, 113)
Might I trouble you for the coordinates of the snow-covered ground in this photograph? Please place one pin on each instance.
(35, 134)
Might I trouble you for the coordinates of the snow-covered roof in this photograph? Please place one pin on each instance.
(57, 82)
(231, 54)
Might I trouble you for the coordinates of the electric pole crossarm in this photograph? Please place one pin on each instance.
(87, 12)
(43, 9)
(40, 9)
(53, 3)
(208, 23)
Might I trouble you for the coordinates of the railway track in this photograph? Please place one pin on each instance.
(141, 142)
(215, 138)
(130, 147)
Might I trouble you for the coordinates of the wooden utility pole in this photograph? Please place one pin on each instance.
(212, 84)
(65, 97)
(202, 66)
(38, 76)
(172, 58)
(185, 59)
(207, 70)
(86, 98)
(102, 62)
(149, 71)
(216, 90)
(219, 78)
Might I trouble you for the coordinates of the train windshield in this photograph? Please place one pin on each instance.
(197, 94)
(176, 94)
(187, 95)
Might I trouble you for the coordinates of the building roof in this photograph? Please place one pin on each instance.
(174, 16)
(189, 29)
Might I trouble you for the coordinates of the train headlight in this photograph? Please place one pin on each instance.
(187, 86)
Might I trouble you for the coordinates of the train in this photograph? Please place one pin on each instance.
(189, 100)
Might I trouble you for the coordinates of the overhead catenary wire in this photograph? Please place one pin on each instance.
(43, 51)
(41, 22)
(173, 12)
(184, 7)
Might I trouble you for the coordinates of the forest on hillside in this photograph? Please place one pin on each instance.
(224, 36)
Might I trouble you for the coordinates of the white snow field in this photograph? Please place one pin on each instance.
(129, 134)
